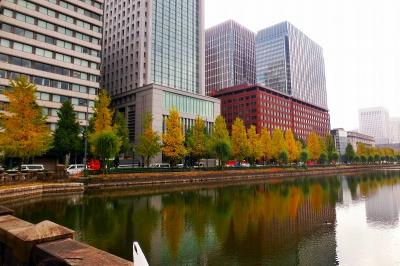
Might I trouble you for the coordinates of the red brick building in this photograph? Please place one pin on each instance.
(263, 107)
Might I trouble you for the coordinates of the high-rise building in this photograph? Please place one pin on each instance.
(57, 45)
(230, 56)
(375, 122)
(266, 108)
(289, 61)
(153, 60)
(395, 130)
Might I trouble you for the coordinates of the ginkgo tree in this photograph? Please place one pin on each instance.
(240, 143)
(24, 133)
(173, 139)
(149, 144)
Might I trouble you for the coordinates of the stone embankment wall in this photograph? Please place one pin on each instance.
(44, 189)
(149, 179)
(46, 243)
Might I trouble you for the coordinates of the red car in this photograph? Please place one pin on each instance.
(93, 165)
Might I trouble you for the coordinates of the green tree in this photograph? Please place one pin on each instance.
(106, 145)
(323, 158)
(330, 147)
(335, 156)
(66, 135)
(304, 156)
(240, 143)
(149, 144)
(196, 139)
(219, 144)
(121, 130)
(278, 143)
(173, 139)
(349, 154)
(283, 157)
(25, 133)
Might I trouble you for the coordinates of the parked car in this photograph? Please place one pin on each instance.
(1, 169)
(160, 165)
(32, 168)
(180, 165)
(93, 165)
(231, 164)
(12, 170)
(244, 164)
(199, 165)
(75, 169)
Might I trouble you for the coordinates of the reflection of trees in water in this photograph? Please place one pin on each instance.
(365, 185)
(268, 222)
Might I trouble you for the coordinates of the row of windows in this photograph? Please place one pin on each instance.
(80, 10)
(50, 82)
(50, 26)
(54, 14)
(188, 105)
(54, 112)
(44, 96)
(47, 53)
(48, 68)
(50, 40)
(61, 98)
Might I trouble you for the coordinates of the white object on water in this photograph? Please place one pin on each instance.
(138, 257)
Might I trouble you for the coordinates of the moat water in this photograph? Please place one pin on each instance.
(341, 220)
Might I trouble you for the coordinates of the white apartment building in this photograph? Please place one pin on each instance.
(395, 130)
(375, 122)
(57, 45)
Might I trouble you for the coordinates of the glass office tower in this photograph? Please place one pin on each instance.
(290, 62)
(230, 56)
(153, 60)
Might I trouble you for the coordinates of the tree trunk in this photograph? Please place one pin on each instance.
(67, 159)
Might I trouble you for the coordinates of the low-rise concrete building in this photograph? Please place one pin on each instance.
(342, 138)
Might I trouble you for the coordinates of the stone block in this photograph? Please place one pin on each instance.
(20, 236)
(5, 211)
(71, 252)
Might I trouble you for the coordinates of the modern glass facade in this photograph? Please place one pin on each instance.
(188, 105)
(290, 62)
(175, 44)
(230, 56)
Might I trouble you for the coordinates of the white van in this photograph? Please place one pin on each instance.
(32, 168)
(75, 169)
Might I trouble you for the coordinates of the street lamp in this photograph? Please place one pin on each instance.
(86, 133)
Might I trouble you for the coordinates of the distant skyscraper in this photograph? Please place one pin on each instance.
(375, 122)
(153, 60)
(290, 62)
(57, 45)
(230, 56)
(395, 130)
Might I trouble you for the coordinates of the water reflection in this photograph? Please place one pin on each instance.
(272, 223)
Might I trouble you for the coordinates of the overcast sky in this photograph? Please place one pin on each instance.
(360, 38)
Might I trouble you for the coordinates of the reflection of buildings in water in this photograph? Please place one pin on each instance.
(344, 196)
(382, 207)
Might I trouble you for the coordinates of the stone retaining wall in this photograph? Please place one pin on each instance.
(40, 190)
(121, 180)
